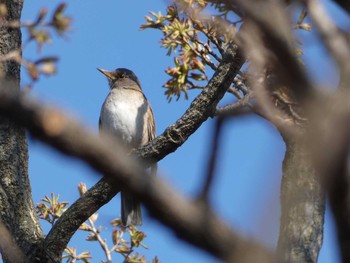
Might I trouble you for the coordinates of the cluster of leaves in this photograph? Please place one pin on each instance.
(51, 209)
(120, 245)
(39, 32)
(197, 40)
(181, 37)
(71, 255)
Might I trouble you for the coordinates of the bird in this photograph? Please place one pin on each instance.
(127, 114)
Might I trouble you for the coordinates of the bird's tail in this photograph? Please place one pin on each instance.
(131, 210)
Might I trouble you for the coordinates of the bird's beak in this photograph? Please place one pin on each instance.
(106, 73)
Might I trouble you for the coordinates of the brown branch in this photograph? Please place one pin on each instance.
(271, 19)
(239, 107)
(335, 40)
(329, 137)
(8, 247)
(339, 196)
(252, 43)
(188, 219)
(168, 142)
(65, 227)
(302, 198)
(302, 206)
(173, 137)
(204, 195)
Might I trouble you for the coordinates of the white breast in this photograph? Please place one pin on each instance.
(124, 117)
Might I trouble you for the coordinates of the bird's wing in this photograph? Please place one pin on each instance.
(151, 133)
(151, 129)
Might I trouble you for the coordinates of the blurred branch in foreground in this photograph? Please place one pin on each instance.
(191, 221)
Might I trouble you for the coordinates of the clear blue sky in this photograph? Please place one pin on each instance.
(246, 188)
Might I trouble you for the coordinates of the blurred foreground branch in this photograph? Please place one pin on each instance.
(7, 243)
(191, 221)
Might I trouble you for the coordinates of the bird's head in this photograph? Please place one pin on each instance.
(120, 77)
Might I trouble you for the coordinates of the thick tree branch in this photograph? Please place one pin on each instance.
(172, 138)
(16, 205)
(190, 220)
(329, 137)
(58, 132)
(339, 195)
(302, 206)
(302, 197)
(271, 19)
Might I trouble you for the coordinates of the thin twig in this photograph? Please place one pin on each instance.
(201, 55)
(214, 149)
(235, 92)
(194, 86)
(239, 107)
(102, 242)
(209, 50)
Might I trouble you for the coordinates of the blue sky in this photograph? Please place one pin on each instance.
(246, 188)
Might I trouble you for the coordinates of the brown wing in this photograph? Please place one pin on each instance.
(151, 133)
(151, 129)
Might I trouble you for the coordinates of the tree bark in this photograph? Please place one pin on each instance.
(302, 207)
(16, 205)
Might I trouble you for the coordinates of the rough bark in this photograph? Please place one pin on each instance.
(16, 206)
(302, 207)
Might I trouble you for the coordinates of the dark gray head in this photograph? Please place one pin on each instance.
(120, 77)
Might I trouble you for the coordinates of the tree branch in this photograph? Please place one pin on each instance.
(239, 107)
(201, 108)
(335, 40)
(271, 19)
(190, 220)
(302, 196)
(9, 246)
(65, 227)
(329, 137)
(172, 138)
(302, 206)
(16, 204)
(204, 195)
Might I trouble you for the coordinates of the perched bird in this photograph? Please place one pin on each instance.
(127, 114)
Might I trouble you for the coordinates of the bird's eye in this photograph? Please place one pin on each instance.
(122, 76)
